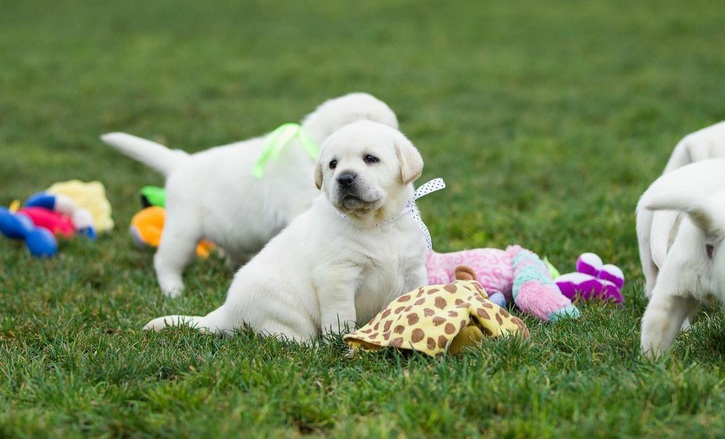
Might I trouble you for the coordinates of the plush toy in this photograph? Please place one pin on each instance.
(514, 274)
(91, 197)
(592, 280)
(438, 319)
(55, 222)
(44, 217)
(153, 196)
(39, 241)
(59, 214)
(147, 226)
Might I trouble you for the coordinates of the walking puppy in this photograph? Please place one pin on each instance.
(213, 194)
(343, 260)
(693, 269)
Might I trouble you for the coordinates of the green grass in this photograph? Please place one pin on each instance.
(546, 119)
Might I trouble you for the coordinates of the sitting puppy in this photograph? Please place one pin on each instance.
(212, 194)
(353, 252)
(693, 269)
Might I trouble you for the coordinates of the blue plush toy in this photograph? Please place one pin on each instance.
(40, 241)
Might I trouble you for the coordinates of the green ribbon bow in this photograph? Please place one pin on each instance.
(280, 138)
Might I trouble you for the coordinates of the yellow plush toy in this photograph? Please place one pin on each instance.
(90, 196)
(437, 319)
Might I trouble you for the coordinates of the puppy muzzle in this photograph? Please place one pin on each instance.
(352, 192)
(346, 179)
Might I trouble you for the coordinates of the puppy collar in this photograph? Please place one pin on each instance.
(280, 138)
(431, 186)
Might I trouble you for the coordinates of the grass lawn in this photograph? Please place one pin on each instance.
(546, 119)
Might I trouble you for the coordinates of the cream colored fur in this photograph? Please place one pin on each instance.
(692, 270)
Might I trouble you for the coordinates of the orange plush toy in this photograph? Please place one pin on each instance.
(148, 225)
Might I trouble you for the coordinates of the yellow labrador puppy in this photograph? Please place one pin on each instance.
(354, 251)
(693, 269)
(213, 195)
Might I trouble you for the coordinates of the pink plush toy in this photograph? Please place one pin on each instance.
(592, 279)
(514, 274)
(57, 223)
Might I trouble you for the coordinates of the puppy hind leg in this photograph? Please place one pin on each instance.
(177, 249)
(662, 320)
(216, 322)
(288, 332)
(160, 323)
(234, 261)
(689, 320)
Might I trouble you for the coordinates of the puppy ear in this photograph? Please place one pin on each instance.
(318, 174)
(411, 163)
(707, 213)
(703, 178)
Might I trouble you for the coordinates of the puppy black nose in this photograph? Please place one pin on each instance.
(346, 179)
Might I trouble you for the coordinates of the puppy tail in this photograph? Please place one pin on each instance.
(152, 154)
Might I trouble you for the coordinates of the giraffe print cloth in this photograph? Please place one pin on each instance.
(438, 319)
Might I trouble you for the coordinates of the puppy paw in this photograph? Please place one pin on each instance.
(160, 323)
(156, 324)
(171, 289)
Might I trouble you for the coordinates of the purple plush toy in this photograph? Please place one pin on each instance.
(592, 279)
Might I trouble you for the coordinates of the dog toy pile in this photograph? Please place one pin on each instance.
(592, 280)
(514, 274)
(147, 225)
(49, 214)
(438, 319)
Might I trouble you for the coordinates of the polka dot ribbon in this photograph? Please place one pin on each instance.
(432, 186)
(278, 139)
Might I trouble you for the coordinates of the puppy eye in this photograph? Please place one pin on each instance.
(371, 159)
(333, 164)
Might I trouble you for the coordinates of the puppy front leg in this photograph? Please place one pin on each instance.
(419, 278)
(662, 321)
(337, 307)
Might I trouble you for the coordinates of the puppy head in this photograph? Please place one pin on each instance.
(706, 212)
(703, 254)
(365, 170)
(333, 114)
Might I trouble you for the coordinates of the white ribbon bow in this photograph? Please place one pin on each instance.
(432, 186)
